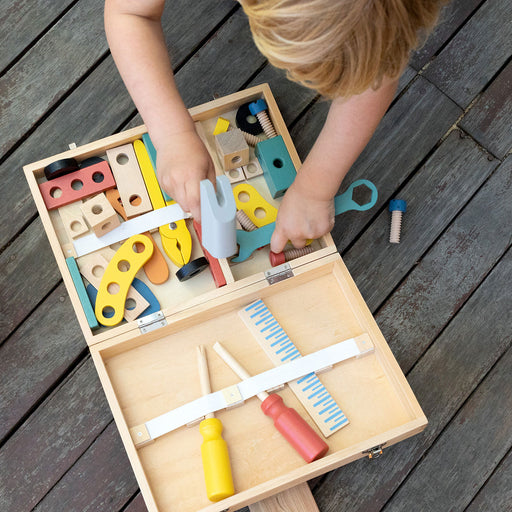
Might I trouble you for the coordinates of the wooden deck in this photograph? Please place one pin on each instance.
(442, 296)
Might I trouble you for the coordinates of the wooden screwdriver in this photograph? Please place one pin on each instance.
(287, 420)
(214, 450)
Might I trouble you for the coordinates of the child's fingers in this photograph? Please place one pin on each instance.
(278, 241)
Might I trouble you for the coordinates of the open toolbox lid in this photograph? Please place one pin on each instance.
(151, 374)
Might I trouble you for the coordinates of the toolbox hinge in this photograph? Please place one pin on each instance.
(151, 322)
(279, 273)
(375, 452)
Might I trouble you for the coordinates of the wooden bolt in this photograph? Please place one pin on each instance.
(290, 254)
(259, 109)
(245, 221)
(396, 207)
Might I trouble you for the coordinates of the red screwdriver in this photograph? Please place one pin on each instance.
(287, 420)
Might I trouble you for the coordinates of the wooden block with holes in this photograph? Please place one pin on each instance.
(100, 214)
(73, 220)
(129, 180)
(92, 267)
(232, 148)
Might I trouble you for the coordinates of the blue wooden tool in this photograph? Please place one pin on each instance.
(249, 241)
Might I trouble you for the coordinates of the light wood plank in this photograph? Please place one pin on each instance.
(475, 54)
(297, 499)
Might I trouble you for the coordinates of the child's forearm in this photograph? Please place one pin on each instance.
(137, 44)
(349, 126)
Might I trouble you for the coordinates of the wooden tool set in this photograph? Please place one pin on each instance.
(188, 323)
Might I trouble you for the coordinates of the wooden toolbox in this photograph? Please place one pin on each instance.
(149, 367)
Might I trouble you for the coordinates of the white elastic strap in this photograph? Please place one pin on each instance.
(140, 224)
(248, 388)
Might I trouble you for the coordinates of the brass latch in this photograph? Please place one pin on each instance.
(375, 452)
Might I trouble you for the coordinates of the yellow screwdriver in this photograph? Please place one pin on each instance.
(214, 450)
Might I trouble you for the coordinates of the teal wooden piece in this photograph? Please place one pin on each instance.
(150, 148)
(278, 169)
(249, 241)
(82, 293)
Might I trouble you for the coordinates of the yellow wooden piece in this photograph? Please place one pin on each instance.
(118, 277)
(252, 203)
(176, 241)
(221, 126)
(148, 173)
(216, 465)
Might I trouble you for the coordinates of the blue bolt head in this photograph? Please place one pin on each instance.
(257, 106)
(397, 204)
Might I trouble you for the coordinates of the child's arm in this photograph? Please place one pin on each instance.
(307, 209)
(136, 40)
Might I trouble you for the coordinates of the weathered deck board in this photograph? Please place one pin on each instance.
(29, 273)
(409, 131)
(43, 75)
(434, 195)
(448, 274)
(53, 438)
(466, 453)
(99, 480)
(452, 17)
(475, 54)
(36, 356)
(489, 121)
(497, 492)
(442, 380)
(22, 22)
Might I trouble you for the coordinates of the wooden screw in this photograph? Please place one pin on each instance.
(396, 207)
(290, 254)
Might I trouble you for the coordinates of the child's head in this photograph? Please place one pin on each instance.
(339, 47)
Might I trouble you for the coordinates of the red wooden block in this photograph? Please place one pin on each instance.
(215, 268)
(77, 185)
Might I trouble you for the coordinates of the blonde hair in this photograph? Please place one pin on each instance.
(339, 47)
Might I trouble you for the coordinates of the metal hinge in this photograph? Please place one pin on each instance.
(375, 452)
(151, 322)
(279, 273)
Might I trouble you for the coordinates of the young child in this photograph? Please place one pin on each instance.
(350, 51)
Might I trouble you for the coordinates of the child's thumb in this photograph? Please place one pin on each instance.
(278, 241)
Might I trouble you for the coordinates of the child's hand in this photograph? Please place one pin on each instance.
(182, 162)
(301, 217)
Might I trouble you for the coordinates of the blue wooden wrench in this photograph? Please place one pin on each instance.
(249, 241)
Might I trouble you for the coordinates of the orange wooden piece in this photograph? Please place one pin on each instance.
(156, 267)
(77, 185)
